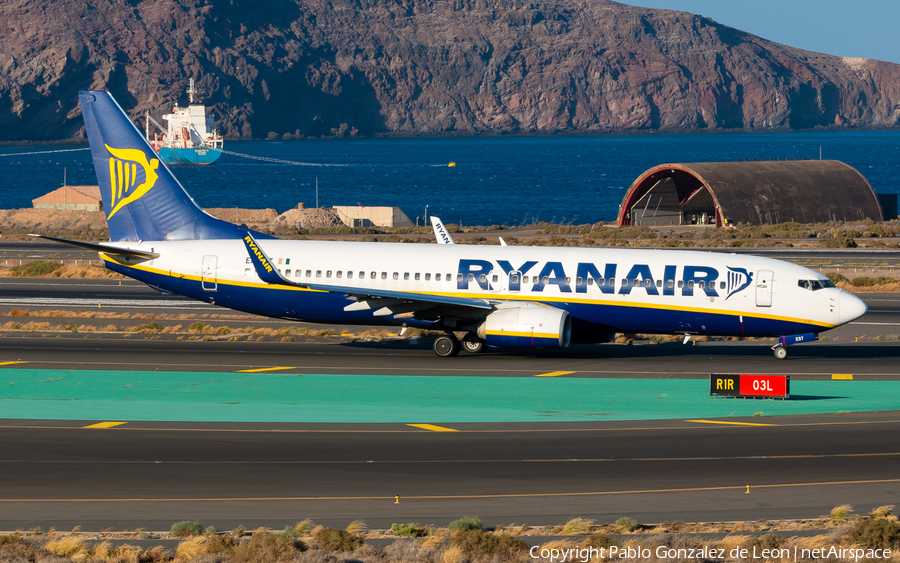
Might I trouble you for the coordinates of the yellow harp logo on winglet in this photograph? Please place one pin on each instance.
(123, 174)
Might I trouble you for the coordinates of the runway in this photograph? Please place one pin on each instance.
(280, 464)
(146, 476)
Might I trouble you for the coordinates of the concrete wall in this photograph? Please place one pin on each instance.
(357, 216)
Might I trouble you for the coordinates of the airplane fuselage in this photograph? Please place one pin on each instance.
(612, 290)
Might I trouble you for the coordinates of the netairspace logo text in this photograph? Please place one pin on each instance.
(586, 554)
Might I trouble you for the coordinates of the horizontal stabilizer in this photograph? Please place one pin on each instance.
(104, 248)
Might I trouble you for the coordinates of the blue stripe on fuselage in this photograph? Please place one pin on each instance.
(324, 307)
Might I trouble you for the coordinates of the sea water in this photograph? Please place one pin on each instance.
(508, 180)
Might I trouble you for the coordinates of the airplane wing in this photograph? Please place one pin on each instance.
(382, 301)
(104, 248)
(440, 232)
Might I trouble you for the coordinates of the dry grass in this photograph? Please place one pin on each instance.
(88, 272)
(577, 526)
(189, 549)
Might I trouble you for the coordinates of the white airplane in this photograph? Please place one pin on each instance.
(504, 297)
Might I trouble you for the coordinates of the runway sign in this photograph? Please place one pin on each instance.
(750, 386)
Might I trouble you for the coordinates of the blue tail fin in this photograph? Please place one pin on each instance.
(141, 198)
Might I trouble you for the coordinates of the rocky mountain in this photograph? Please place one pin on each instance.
(285, 68)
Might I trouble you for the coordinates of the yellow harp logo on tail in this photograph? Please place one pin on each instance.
(123, 173)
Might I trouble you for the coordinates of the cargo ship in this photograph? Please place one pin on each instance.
(190, 138)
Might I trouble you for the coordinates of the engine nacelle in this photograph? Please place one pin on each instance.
(528, 326)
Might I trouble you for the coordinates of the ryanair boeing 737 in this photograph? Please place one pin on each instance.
(499, 296)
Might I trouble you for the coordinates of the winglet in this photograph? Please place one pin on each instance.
(266, 271)
(440, 232)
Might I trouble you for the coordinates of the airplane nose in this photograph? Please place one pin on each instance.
(851, 307)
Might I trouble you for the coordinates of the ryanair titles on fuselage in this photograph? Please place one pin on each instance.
(639, 276)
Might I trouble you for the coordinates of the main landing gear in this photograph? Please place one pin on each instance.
(447, 345)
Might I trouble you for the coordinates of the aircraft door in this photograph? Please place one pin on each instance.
(764, 280)
(515, 280)
(208, 273)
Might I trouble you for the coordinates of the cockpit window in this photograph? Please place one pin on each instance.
(815, 285)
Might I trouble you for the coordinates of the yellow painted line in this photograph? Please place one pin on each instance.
(263, 369)
(734, 423)
(432, 427)
(10, 363)
(842, 376)
(105, 424)
(554, 373)
(452, 497)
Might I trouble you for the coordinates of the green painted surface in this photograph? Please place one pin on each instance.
(289, 397)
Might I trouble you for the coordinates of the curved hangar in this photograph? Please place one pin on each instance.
(755, 193)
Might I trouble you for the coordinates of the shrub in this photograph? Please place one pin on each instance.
(876, 533)
(840, 512)
(837, 277)
(220, 544)
(331, 539)
(480, 541)
(35, 269)
(197, 327)
(629, 524)
(466, 523)
(209, 531)
(577, 526)
(239, 530)
(598, 542)
(264, 547)
(186, 529)
(413, 529)
(15, 548)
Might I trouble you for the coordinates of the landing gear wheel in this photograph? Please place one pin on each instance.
(446, 346)
(472, 344)
(781, 352)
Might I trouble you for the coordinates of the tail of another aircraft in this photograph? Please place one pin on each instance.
(141, 198)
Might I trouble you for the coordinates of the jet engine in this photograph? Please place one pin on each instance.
(527, 326)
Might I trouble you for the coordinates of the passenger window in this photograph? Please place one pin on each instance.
(524, 279)
(406, 275)
(702, 284)
(624, 282)
(670, 284)
(328, 274)
(691, 284)
(349, 275)
(427, 277)
(437, 277)
(568, 280)
(721, 285)
(590, 281)
(658, 283)
(601, 281)
(384, 275)
(318, 273)
(373, 275)
(482, 278)
(396, 276)
(418, 276)
(470, 277)
(308, 273)
(340, 273)
(449, 277)
(680, 284)
(648, 283)
(287, 273)
(513, 279)
(494, 278)
(579, 280)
